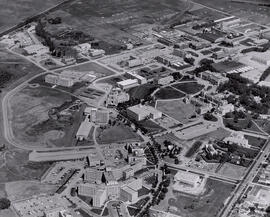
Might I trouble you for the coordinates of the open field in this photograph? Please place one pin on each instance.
(31, 122)
(13, 68)
(13, 12)
(117, 134)
(218, 134)
(149, 126)
(189, 88)
(176, 109)
(169, 93)
(208, 204)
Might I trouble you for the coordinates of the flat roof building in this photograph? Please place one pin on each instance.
(187, 178)
(84, 130)
(140, 112)
(127, 84)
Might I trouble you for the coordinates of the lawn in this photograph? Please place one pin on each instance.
(209, 204)
(194, 148)
(169, 93)
(189, 88)
(232, 170)
(142, 91)
(176, 109)
(117, 134)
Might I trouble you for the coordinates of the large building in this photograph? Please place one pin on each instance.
(130, 191)
(140, 112)
(237, 139)
(134, 75)
(214, 78)
(127, 84)
(187, 178)
(116, 96)
(84, 130)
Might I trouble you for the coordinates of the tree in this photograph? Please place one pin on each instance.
(4, 203)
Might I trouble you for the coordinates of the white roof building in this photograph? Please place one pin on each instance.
(187, 178)
(140, 112)
(129, 83)
(238, 139)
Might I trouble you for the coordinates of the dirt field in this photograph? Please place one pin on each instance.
(176, 109)
(13, 12)
(29, 117)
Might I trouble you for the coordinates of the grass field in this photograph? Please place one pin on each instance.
(189, 88)
(117, 134)
(176, 109)
(149, 126)
(30, 121)
(232, 170)
(206, 205)
(169, 93)
(142, 91)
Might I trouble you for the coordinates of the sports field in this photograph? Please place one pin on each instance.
(176, 109)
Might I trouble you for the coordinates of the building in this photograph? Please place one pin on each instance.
(97, 193)
(127, 84)
(237, 139)
(96, 53)
(37, 49)
(263, 58)
(130, 191)
(134, 62)
(179, 52)
(116, 96)
(187, 178)
(65, 82)
(165, 80)
(128, 173)
(100, 197)
(214, 78)
(84, 130)
(140, 112)
(134, 75)
(68, 60)
(51, 79)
